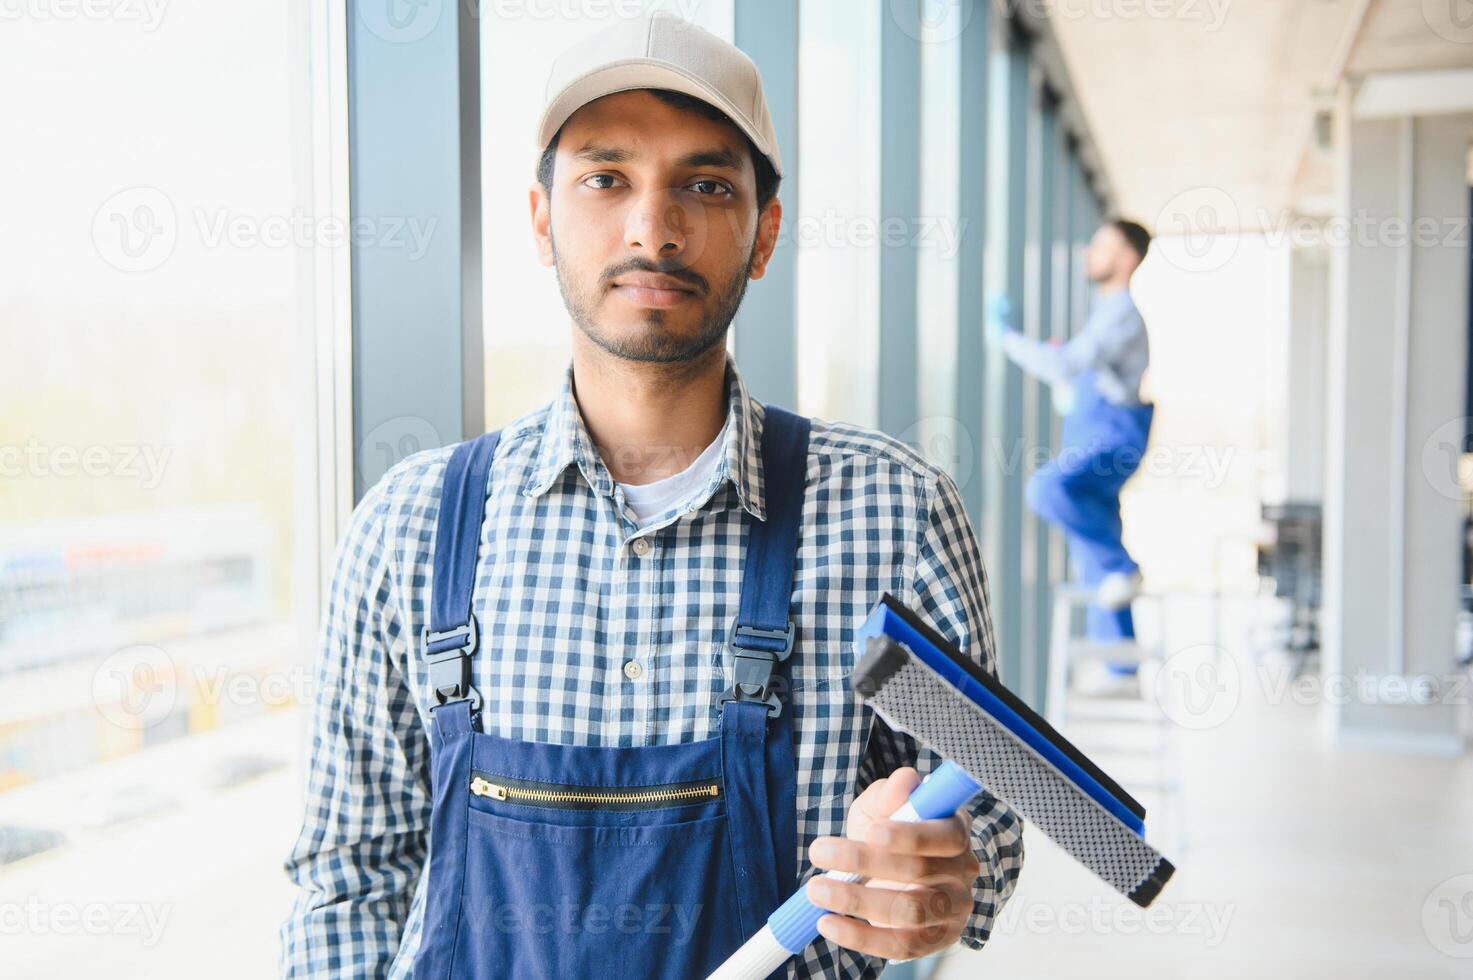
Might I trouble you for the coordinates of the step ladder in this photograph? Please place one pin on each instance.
(1126, 731)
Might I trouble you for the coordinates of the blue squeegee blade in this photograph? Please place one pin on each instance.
(891, 618)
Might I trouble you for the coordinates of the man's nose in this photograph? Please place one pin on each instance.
(659, 225)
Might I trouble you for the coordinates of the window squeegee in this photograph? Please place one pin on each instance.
(922, 685)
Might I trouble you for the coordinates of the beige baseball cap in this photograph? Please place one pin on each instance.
(659, 50)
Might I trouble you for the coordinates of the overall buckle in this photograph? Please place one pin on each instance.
(449, 655)
(754, 666)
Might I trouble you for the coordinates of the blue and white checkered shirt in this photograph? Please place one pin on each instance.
(568, 592)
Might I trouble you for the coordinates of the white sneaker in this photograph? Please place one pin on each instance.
(1096, 679)
(1118, 589)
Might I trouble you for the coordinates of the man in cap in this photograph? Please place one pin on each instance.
(583, 703)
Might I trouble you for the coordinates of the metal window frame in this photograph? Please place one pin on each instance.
(1038, 411)
(900, 197)
(413, 110)
(1003, 417)
(974, 118)
(765, 337)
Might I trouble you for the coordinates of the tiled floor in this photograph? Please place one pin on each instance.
(1296, 859)
(194, 889)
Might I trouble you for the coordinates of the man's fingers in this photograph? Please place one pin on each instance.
(948, 837)
(890, 944)
(846, 854)
(917, 898)
(884, 796)
(909, 909)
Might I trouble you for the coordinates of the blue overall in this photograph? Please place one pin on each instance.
(1079, 491)
(569, 861)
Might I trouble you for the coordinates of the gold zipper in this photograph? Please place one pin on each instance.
(583, 796)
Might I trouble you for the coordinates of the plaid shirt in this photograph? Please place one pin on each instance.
(568, 591)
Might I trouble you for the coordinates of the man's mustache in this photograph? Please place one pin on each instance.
(688, 276)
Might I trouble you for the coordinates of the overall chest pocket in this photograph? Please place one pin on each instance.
(576, 881)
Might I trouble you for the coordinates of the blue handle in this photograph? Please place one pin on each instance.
(945, 791)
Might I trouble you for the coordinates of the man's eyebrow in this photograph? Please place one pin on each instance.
(723, 157)
(602, 154)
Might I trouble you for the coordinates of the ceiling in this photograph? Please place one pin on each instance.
(1405, 35)
(1215, 99)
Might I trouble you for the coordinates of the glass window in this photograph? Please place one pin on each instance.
(158, 493)
(938, 267)
(837, 225)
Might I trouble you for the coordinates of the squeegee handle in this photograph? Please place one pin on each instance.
(945, 791)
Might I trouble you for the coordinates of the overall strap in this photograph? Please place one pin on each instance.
(450, 638)
(761, 637)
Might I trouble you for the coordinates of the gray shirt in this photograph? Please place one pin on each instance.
(1113, 343)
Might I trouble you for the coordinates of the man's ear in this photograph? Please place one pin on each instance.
(768, 223)
(541, 205)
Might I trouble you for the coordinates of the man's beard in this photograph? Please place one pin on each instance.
(655, 344)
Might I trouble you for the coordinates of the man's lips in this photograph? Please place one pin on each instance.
(653, 291)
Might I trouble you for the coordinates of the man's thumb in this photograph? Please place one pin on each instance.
(888, 795)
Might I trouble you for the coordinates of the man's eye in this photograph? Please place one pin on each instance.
(715, 187)
(608, 177)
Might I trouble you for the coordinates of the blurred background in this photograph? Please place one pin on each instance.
(254, 254)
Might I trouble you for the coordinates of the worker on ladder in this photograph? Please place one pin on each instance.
(1096, 379)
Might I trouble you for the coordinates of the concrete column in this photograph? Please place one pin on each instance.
(1309, 300)
(1397, 345)
(1294, 390)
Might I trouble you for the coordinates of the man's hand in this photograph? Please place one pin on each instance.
(919, 895)
(999, 318)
